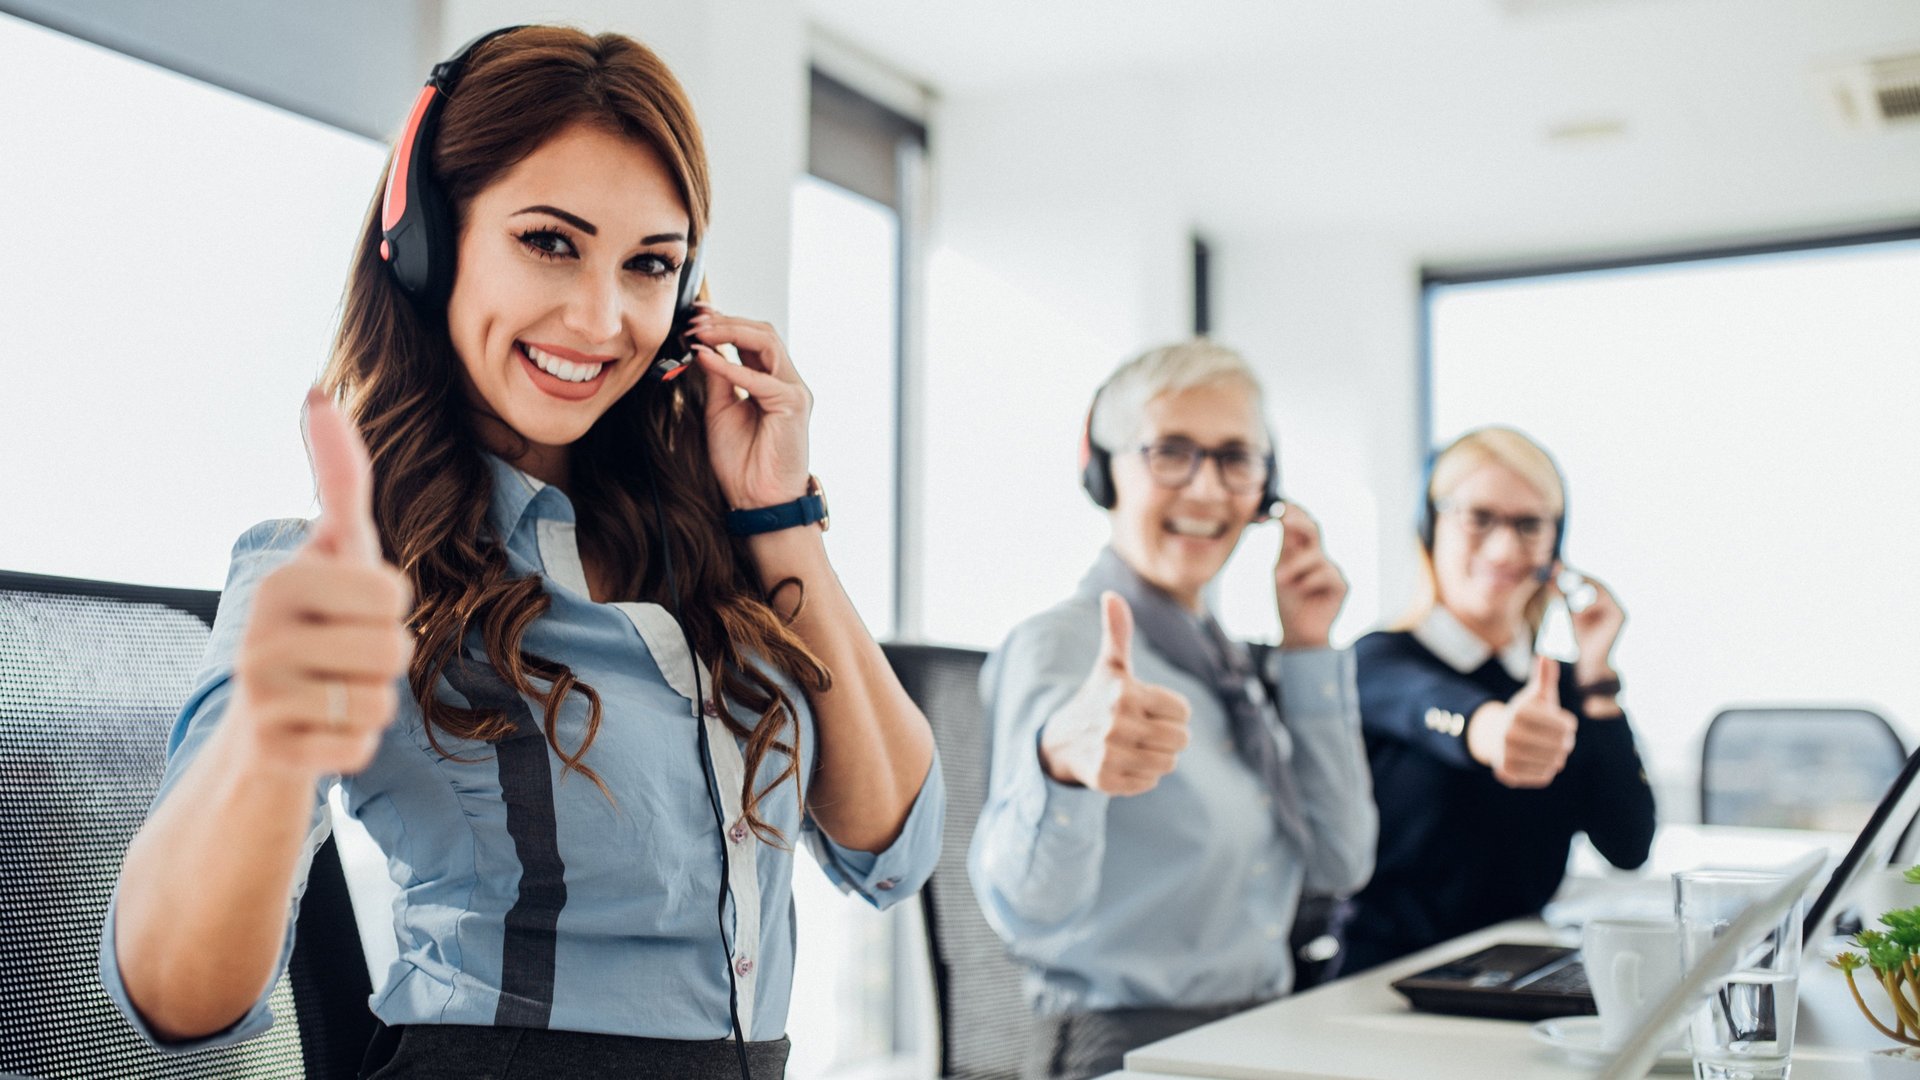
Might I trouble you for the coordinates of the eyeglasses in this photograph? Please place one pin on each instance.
(1175, 462)
(1531, 530)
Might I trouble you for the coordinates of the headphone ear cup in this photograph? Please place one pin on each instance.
(418, 243)
(1270, 491)
(1424, 523)
(437, 245)
(1096, 476)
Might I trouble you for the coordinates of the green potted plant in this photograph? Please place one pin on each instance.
(1891, 957)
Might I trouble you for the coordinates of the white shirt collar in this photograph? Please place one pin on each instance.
(1446, 637)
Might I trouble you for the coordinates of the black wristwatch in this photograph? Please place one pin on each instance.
(808, 509)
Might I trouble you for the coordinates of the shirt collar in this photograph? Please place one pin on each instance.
(516, 494)
(1446, 637)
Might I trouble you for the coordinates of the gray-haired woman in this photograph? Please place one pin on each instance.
(1158, 798)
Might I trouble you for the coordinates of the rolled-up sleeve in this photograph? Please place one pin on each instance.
(1036, 855)
(257, 553)
(1320, 706)
(884, 878)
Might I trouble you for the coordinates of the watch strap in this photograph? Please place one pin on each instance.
(805, 510)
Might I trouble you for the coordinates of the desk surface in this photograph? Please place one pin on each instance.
(1359, 1029)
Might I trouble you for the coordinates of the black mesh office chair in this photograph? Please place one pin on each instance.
(984, 1021)
(1796, 768)
(91, 676)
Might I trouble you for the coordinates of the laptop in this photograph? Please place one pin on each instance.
(1536, 982)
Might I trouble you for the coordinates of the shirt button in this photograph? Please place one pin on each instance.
(1329, 690)
(886, 885)
(1259, 868)
(1266, 802)
(709, 708)
(743, 967)
(1062, 820)
(738, 833)
(1273, 931)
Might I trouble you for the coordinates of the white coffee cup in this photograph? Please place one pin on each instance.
(1631, 965)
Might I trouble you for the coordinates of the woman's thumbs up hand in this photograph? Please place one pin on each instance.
(1117, 734)
(325, 645)
(1526, 739)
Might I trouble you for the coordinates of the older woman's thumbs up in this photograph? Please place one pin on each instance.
(1117, 734)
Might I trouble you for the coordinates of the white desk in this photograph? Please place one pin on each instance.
(1359, 1029)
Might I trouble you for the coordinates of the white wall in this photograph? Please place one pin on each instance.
(1332, 323)
(1059, 248)
(1061, 232)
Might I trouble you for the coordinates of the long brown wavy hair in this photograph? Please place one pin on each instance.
(394, 370)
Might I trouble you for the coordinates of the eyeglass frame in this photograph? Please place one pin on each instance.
(1496, 520)
(1198, 454)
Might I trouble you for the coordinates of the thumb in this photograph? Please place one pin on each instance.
(1116, 636)
(343, 477)
(1545, 685)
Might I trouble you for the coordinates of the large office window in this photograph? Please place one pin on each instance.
(170, 296)
(852, 245)
(844, 310)
(1739, 440)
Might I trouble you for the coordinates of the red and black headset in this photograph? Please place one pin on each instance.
(416, 222)
(1096, 470)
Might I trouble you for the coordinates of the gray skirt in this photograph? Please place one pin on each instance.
(460, 1052)
(1076, 1046)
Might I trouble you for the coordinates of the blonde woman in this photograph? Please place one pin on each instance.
(1486, 757)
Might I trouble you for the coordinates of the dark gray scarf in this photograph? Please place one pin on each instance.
(1196, 645)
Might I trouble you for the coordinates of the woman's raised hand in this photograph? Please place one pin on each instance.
(1597, 621)
(758, 443)
(315, 675)
(1118, 734)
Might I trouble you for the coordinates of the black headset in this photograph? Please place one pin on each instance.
(1096, 469)
(416, 222)
(1425, 524)
(418, 245)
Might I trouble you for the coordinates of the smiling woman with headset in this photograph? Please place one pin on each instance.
(1159, 798)
(565, 626)
(1487, 758)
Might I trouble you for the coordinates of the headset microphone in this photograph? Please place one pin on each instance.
(677, 351)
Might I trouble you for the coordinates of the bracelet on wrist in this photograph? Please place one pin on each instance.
(1600, 688)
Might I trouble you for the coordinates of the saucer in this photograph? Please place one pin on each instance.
(1578, 1037)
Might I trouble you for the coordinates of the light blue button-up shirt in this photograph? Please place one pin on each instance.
(527, 898)
(1183, 896)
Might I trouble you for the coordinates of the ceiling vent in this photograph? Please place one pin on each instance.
(1875, 95)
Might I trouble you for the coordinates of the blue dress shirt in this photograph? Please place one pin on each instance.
(526, 898)
(1182, 896)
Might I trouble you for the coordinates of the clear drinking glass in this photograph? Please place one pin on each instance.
(1744, 1030)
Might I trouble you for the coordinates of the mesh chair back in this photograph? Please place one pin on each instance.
(1797, 768)
(91, 677)
(984, 1020)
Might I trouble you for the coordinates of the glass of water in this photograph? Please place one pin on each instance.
(1744, 1030)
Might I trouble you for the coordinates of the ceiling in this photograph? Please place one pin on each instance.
(1465, 129)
